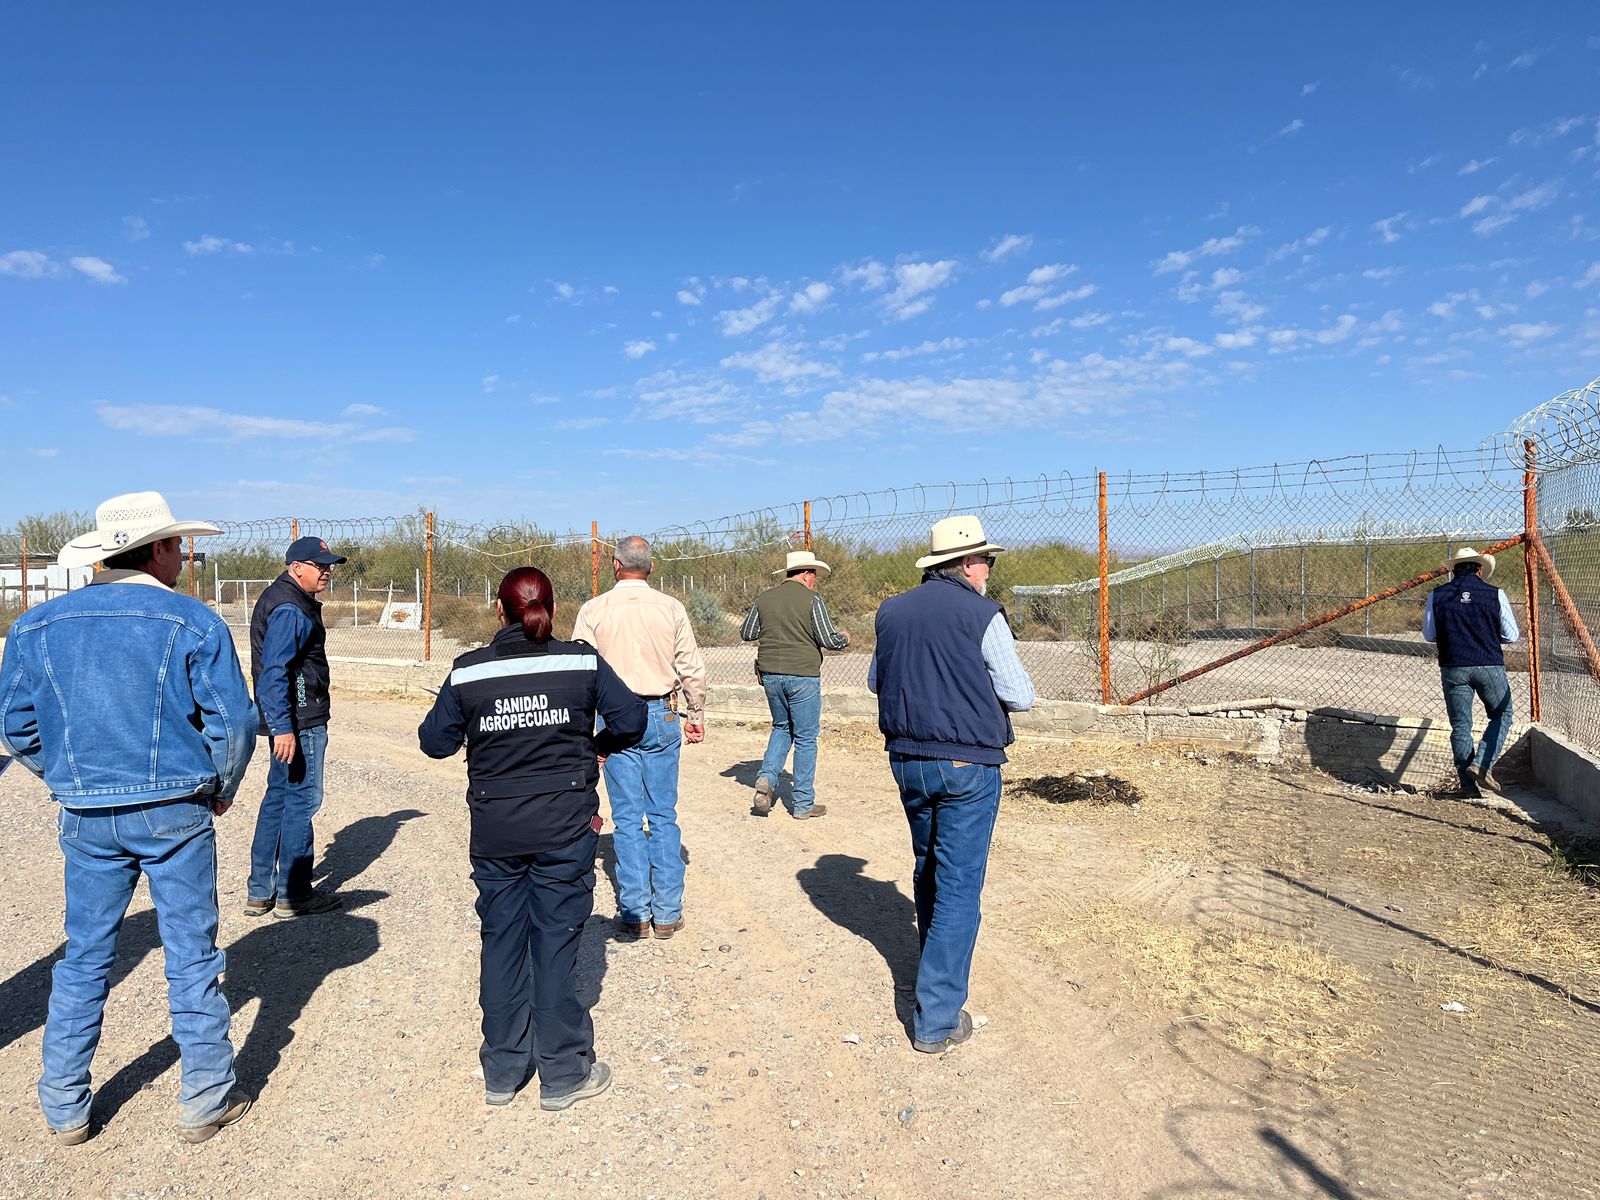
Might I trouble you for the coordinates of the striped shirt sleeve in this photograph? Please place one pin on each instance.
(751, 629)
(1006, 672)
(822, 627)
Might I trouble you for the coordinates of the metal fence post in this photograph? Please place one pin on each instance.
(294, 529)
(1530, 570)
(193, 584)
(1216, 587)
(24, 572)
(427, 596)
(1366, 554)
(1302, 581)
(808, 524)
(1252, 587)
(594, 558)
(1105, 601)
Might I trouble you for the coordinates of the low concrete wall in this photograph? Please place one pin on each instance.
(1570, 773)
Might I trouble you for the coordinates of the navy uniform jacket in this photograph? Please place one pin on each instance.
(526, 712)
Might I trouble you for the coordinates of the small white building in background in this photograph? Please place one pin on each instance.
(44, 581)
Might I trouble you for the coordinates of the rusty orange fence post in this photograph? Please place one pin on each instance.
(1530, 571)
(427, 594)
(191, 565)
(808, 524)
(24, 572)
(1355, 607)
(1105, 601)
(594, 558)
(294, 528)
(1569, 610)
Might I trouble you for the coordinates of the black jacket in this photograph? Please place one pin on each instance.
(526, 712)
(309, 705)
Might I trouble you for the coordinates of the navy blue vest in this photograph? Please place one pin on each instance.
(1466, 622)
(309, 705)
(935, 698)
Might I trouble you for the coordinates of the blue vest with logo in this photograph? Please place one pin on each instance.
(1466, 622)
(935, 697)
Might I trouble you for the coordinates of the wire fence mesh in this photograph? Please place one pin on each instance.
(1200, 567)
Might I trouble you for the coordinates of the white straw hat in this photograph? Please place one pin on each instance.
(125, 523)
(1466, 555)
(957, 537)
(803, 560)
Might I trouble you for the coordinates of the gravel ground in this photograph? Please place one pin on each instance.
(762, 1052)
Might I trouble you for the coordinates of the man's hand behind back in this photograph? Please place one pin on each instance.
(694, 734)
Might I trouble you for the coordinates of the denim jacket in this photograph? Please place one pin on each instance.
(125, 692)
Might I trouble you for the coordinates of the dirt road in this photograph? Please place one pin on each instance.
(1231, 988)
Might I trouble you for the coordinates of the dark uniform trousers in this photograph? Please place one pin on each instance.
(532, 909)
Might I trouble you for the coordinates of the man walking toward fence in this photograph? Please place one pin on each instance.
(947, 676)
(289, 665)
(127, 700)
(1471, 621)
(647, 639)
(793, 626)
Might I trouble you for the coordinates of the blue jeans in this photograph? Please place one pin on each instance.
(175, 847)
(951, 809)
(282, 851)
(531, 913)
(796, 704)
(1491, 686)
(642, 782)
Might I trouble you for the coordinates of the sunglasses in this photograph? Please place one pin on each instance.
(319, 568)
(988, 561)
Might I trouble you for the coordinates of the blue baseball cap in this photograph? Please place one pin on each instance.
(312, 550)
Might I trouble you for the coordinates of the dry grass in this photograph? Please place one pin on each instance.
(1282, 1000)
(1545, 925)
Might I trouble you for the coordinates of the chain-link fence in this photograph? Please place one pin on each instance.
(1135, 588)
(1561, 440)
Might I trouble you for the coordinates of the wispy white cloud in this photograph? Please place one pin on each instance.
(1414, 79)
(1588, 277)
(361, 410)
(135, 229)
(1235, 306)
(1040, 287)
(213, 424)
(97, 269)
(1387, 229)
(637, 349)
(1523, 333)
(915, 283)
(687, 297)
(1527, 58)
(870, 275)
(210, 243)
(1502, 212)
(1089, 320)
(1012, 243)
(943, 346)
(490, 382)
(1307, 88)
(1241, 339)
(42, 451)
(739, 321)
(1474, 165)
(810, 298)
(1550, 131)
(1186, 346)
(1293, 127)
(1315, 238)
(575, 423)
(1178, 260)
(28, 264)
(1382, 274)
(777, 362)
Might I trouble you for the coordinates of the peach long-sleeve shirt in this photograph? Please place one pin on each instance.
(646, 638)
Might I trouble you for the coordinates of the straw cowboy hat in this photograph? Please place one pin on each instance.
(955, 538)
(1468, 555)
(803, 560)
(125, 523)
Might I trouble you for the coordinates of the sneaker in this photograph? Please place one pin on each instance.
(763, 801)
(72, 1137)
(632, 931)
(962, 1032)
(238, 1105)
(667, 930)
(316, 902)
(816, 810)
(599, 1080)
(498, 1098)
(259, 908)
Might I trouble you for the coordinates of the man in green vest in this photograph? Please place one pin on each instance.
(792, 624)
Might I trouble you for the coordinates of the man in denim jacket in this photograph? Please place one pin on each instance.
(127, 700)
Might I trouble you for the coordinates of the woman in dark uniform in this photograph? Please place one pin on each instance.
(525, 706)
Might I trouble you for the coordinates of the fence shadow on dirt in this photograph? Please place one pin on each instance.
(873, 909)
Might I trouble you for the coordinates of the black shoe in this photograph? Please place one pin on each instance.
(599, 1080)
(962, 1032)
(316, 902)
(1469, 789)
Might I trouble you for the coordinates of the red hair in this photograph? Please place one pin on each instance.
(530, 601)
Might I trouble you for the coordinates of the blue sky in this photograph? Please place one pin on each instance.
(647, 264)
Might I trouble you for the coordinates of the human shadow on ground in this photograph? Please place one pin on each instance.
(358, 845)
(874, 909)
(25, 997)
(279, 963)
